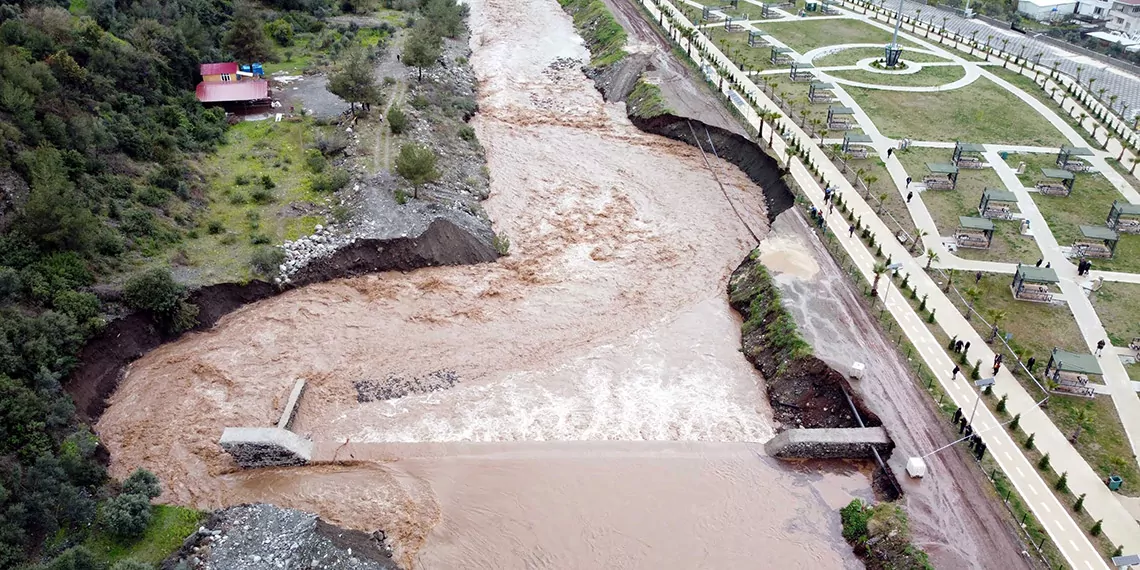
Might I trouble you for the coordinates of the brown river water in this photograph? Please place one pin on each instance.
(603, 415)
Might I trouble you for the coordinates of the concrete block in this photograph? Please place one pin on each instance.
(291, 405)
(832, 443)
(265, 447)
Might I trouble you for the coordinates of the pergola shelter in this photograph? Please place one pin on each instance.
(1096, 241)
(942, 176)
(1124, 217)
(968, 155)
(733, 25)
(820, 92)
(974, 233)
(1032, 283)
(838, 118)
(1056, 183)
(1070, 372)
(850, 139)
(995, 204)
(1068, 152)
(755, 39)
(711, 13)
(828, 8)
(780, 55)
(801, 71)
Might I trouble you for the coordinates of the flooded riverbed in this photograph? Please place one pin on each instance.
(604, 334)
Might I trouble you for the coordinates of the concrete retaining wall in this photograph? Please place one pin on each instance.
(254, 447)
(829, 443)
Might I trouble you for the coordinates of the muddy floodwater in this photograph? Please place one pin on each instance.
(593, 409)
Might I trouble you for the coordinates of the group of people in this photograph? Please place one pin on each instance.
(1083, 267)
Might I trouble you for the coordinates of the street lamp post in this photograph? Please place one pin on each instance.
(981, 384)
(894, 267)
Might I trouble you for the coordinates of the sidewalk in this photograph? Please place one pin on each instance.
(1100, 502)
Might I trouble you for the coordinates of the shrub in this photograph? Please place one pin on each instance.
(401, 196)
(854, 518)
(1001, 402)
(127, 515)
(420, 102)
(330, 181)
(1062, 484)
(397, 120)
(266, 260)
(1029, 441)
(467, 133)
(332, 144)
(1077, 506)
(267, 182)
(241, 180)
(214, 227)
(153, 290)
(315, 161)
(142, 482)
(281, 31)
(81, 306)
(502, 244)
(1096, 530)
(259, 239)
(1013, 425)
(1043, 463)
(262, 196)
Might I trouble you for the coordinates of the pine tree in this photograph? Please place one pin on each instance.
(355, 81)
(246, 38)
(422, 49)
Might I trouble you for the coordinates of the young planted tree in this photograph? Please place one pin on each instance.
(1081, 418)
(931, 257)
(422, 49)
(973, 294)
(878, 270)
(355, 80)
(416, 163)
(996, 317)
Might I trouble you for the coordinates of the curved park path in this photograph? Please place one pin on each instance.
(1119, 525)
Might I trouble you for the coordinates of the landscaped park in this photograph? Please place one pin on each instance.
(1007, 198)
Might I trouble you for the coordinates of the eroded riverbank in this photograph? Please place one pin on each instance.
(607, 322)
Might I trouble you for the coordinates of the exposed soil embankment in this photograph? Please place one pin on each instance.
(804, 391)
(104, 359)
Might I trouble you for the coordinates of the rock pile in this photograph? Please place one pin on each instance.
(324, 242)
(259, 536)
(392, 387)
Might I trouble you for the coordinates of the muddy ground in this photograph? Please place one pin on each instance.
(954, 517)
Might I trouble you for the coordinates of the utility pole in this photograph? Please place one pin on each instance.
(893, 49)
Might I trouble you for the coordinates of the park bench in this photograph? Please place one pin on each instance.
(858, 152)
(998, 213)
(937, 183)
(1036, 293)
(839, 125)
(1052, 189)
(971, 162)
(973, 241)
(1128, 226)
(1076, 166)
(1086, 249)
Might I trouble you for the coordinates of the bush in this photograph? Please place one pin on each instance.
(281, 31)
(854, 517)
(142, 482)
(420, 102)
(315, 161)
(330, 181)
(241, 180)
(331, 144)
(397, 120)
(265, 260)
(214, 227)
(467, 133)
(267, 182)
(502, 244)
(127, 515)
(1043, 463)
(262, 196)
(154, 290)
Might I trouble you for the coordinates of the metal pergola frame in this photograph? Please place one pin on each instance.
(816, 87)
(961, 148)
(991, 195)
(779, 54)
(755, 38)
(1065, 361)
(1068, 179)
(856, 138)
(984, 225)
(1036, 275)
(1121, 209)
(949, 170)
(1108, 236)
(1068, 151)
(800, 71)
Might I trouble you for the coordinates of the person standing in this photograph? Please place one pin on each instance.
(908, 181)
(851, 231)
(909, 195)
(1039, 260)
(966, 348)
(954, 373)
(1100, 347)
(1030, 364)
(889, 151)
(977, 277)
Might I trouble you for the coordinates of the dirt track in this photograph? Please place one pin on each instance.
(953, 515)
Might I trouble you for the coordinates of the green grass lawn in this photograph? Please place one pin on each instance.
(168, 528)
(946, 205)
(735, 46)
(1027, 85)
(253, 149)
(1118, 306)
(1103, 442)
(926, 77)
(797, 92)
(1089, 204)
(979, 112)
(852, 56)
(807, 34)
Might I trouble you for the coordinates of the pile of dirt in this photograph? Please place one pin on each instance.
(104, 359)
(805, 392)
(252, 537)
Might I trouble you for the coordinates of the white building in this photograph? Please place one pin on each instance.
(1045, 10)
(1125, 17)
(1098, 9)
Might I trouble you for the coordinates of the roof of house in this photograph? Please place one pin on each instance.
(217, 68)
(248, 90)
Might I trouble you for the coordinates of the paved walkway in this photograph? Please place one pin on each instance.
(1119, 526)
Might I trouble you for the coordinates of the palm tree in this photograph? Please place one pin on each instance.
(859, 172)
(1005, 54)
(996, 317)
(973, 294)
(918, 235)
(1079, 70)
(931, 257)
(1112, 101)
(879, 269)
(773, 116)
(882, 200)
(1056, 67)
(1081, 418)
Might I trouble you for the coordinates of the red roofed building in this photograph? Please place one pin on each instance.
(223, 83)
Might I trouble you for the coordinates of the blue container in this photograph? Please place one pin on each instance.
(258, 70)
(1114, 482)
(245, 68)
